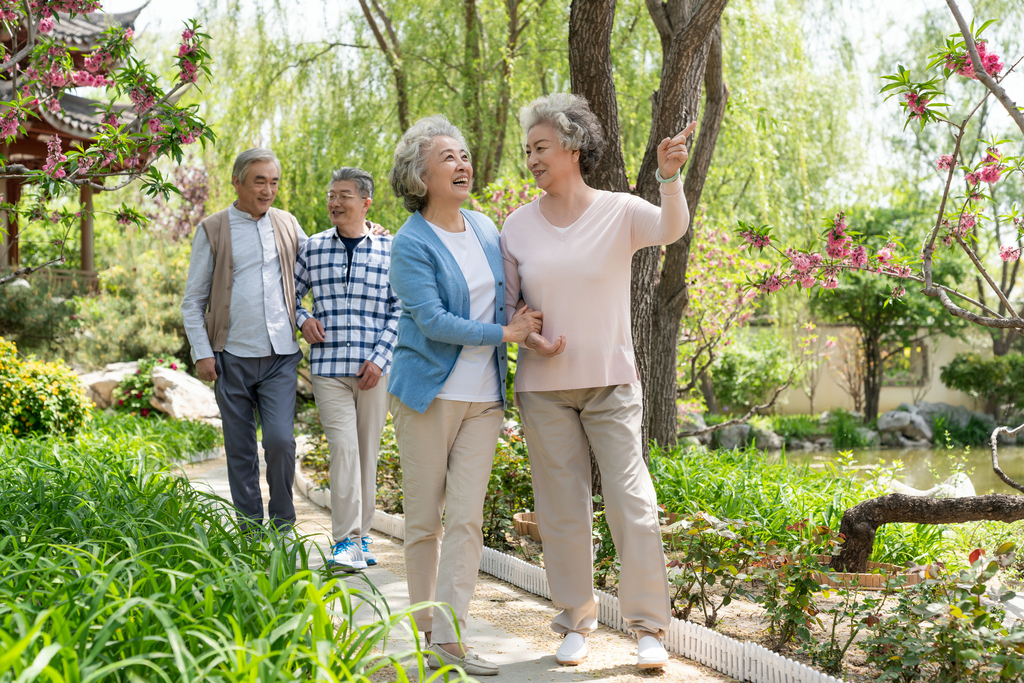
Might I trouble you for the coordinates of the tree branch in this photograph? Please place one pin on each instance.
(994, 442)
(29, 270)
(750, 413)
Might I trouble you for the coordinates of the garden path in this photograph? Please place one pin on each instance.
(507, 625)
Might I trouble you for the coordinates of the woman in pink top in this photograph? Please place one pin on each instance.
(569, 254)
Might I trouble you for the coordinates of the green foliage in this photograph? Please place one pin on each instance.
(714, 552)
(134, 392)
(975, 433)
(115, 570)
(749, 371)
(510, 490)
(798, 427)
(950, 627)
(843, 428)
(138, 311)
(999, 380)
(36, 318)
(38, 397)
(606, 559)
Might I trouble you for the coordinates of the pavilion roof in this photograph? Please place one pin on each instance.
(85, 31)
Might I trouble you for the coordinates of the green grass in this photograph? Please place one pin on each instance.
(799, 427)
(115, 570)
(773, 494)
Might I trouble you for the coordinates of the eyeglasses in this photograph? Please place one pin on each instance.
(344, 197)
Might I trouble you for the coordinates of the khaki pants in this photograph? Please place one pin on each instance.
(558, 425)
(446, 455)
(353, 420)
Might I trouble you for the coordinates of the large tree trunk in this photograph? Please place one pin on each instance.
(872, 376)
(862, 521)
(672, 295)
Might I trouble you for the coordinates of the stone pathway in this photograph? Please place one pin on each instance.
(506, 625)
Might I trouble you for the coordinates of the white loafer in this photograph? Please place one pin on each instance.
(650, 653)
(573, 649)
(472, 664)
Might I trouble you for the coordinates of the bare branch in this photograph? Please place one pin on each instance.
(988, 278)
(750, 413)
(29, 270)
(994, 442)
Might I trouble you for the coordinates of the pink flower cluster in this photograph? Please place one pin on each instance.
(54, 157)
(88, 80)
(945, 162)
(1009, 253)
(9, 122)
(962, 65)
(991, 169)
(142, 98)
(98, 61)
(753, 239)
(916, 104)
(45, 25)
(838, 242)
(189, 72)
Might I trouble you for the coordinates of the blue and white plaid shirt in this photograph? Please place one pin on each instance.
(358, 309)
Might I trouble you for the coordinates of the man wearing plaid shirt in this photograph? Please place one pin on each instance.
(352, 333)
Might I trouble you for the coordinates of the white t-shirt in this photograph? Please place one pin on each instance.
(475, 376)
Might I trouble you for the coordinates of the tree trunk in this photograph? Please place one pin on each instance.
(672, 296)
(471, 86)
(392, 54)
(862, 520)
(872, 376)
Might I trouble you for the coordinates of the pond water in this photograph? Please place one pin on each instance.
(919, 464)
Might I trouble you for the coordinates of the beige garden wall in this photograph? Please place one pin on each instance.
(830, 395)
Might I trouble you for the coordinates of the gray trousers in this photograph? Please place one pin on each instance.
(244, 387)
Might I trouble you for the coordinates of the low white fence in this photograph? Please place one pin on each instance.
(743, 661)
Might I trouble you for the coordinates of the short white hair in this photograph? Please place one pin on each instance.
(249, 157)
(406, 176)
(576, 127)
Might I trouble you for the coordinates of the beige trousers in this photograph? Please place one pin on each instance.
(446, 453)
(558, 425)
(353, 420)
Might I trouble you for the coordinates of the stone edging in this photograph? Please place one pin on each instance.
(201, 456)
(743, 660)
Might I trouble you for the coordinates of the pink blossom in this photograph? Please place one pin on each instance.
(189, 138)
(155, 126)
(972, 178)
(189, 72)
(967, 222)
(962, 65)
(141, 98)
(898, 292)
(884, 255)
(188, 34)
(945, 162)
(54, 106)
(1009, 253)
(45, 25)
(830, 283)
(54, 158)
(990, 174)
(859, 257)
(110, 119)
(916, 104)
(808, 281)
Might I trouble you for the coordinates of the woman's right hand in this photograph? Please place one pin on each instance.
(523, 324)
(535, 342)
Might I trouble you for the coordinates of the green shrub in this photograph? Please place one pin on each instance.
(750, 370)
(799, 427)
(509, 491)
(137, 313)
(38, 397)
(975, 433)
(35, 317)
(843, 428)
(134, 392)
(999, 380)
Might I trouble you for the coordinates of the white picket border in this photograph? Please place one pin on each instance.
(742, 660)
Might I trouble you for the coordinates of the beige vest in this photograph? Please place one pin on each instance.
(218, 233)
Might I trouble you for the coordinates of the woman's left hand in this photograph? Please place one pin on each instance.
(535, 342)
(672, 152)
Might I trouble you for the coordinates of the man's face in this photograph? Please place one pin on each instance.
(257, 193)
(345, 207)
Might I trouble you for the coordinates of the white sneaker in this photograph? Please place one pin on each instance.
(370, 558)
(348, 556)
(573, 649)
(650, 653)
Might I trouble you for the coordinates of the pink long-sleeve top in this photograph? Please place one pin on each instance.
(579, 279)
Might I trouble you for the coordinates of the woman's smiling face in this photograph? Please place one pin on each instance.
(546, 159)
(449, 173)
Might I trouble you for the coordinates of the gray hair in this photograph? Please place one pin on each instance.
(249, 157)
(406, 177)
(576, 127)
(363, 180)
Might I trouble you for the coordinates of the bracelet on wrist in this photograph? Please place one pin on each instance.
(657, 176)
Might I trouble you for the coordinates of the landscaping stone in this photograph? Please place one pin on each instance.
(893, 421)
(691, 422)
(99, 386)
(958, 416)
(733, 436)
(919, 428)
(957, 486)
(767, 439)
(182, 396)
(907, 423)
(870, 436)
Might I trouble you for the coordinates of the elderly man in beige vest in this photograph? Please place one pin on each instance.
(239, 314)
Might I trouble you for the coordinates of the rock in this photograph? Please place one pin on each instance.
(733, 436)
(908, 408)
(892, 439)
(957, 486)
(918, 428)
(767, 439)
(182, 396)
(870, 437)
(99, 386)
(893, 421)
(955, 416)
(692, 422)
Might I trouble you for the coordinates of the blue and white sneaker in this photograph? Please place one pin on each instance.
(347, 556)
(370, 558)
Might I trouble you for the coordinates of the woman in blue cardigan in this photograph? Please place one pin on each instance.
(447, 383)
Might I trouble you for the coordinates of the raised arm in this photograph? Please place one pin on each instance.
(651, 225)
